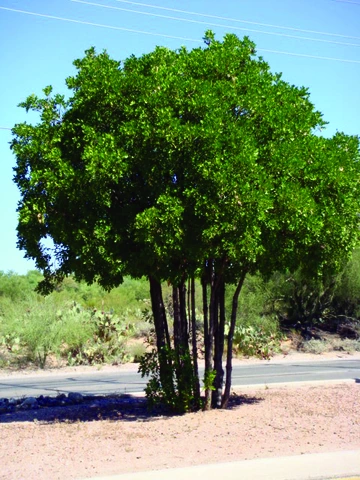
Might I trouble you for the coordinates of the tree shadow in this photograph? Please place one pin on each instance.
(117, 408)
(237, 401)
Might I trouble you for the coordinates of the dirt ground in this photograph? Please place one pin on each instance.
(262, 422)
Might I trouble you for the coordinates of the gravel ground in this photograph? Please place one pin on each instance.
(260, 423)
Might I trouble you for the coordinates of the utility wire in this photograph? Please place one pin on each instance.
(345, 1)
(242, 21)
(167, 36)
(209, 24)
(308, 56)
(92, 24)
(5, 128)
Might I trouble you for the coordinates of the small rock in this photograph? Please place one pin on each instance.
(51, 402)
(29, 402)
(75, 397)
(43, 401)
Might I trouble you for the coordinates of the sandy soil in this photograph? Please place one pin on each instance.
(263, 422)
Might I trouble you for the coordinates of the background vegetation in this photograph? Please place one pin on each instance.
(82, 324)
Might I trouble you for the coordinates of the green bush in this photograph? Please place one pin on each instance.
(17, 287)
(177, 393)
(256, 341)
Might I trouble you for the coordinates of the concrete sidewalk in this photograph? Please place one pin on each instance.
(300, 467)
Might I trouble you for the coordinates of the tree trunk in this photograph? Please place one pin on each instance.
(184, 368)
(189, 305)
(209, 341)
(183, 318)
(177, 333)
(194, 345)
(162, 333)
(158, 309)
(219, 338)
(206, 322)
(181, 334)
(177, 317)
(234, 308)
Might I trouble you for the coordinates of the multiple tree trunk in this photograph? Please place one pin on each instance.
(183, 371)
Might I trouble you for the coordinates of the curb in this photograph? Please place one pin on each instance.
(304, 383)
(319, 466)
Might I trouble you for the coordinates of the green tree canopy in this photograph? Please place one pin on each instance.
(183, 163)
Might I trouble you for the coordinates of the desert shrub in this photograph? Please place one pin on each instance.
(143, 329)
(346, 345)
(11, 314)
(255, 305)
(315, 346)
(296, 338)
(253, 340)
(257, 330)
(346, 299)
(106, 344)
(41, 329)
(136, 351)
(129, 295)
(252, 299)
(96, 352)
(4, 362)
(301, 301)
(16, 287)
(82, 336)
(76, 328)
(76, 321)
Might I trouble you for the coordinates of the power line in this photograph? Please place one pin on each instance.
(348, 1)
(242, 21)
(209, 24)
(168, 36)
(5, 128)
(309, 56)
(92, 24)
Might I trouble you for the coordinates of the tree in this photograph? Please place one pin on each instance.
(177, 165)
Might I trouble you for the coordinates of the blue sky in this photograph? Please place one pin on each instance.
(37, 51)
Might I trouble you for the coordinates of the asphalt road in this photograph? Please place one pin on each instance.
(99, 382)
